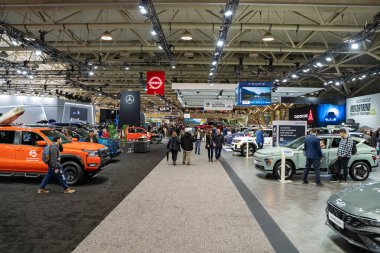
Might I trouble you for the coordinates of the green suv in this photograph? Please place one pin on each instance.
(360, 164)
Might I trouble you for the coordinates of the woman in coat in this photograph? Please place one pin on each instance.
(210, 145)
(174, 146)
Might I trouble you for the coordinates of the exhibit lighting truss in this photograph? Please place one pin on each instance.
(28, 40)
(228, 15)
(369, 73)
(147, 9)
(322, 61)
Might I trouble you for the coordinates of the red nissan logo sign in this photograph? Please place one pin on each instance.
(155, 83)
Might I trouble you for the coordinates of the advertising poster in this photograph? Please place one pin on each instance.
(155, 82)
(331, 114)
(288, 131)
(253, 93)
(129, 113)
(192, 121)
(364, 110)
(218, 105)
(78, 113)
(305, 113)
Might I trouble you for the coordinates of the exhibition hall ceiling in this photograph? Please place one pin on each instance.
(301, 32)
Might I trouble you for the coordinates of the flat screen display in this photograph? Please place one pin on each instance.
(78, 113)
(253, 94)
(331, 114)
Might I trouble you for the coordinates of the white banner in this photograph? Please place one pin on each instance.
(364, 110)
(186, 115)
(218, 105)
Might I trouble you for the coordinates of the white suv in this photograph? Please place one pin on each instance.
(239, 144)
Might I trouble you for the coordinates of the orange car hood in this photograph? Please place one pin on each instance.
(83, 146)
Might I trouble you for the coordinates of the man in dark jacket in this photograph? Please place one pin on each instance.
(260, 138)
(187, 146)
(313, 155)
(174, 146)
(55, 167)
(218, 143)
(91, 137)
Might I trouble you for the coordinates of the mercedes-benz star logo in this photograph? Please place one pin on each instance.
(129, 99)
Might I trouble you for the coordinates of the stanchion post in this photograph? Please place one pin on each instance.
(247, 149)
(283, 161)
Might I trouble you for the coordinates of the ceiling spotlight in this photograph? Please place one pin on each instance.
(18, 71)
(14, 42)
(277, 80)
(294, 76)
(228, 13)
(364, 76)
(219, 43)
(106, 36)
(173, 66)
(210, 74)
(160, 47)
(337, 83)
(353, 79)
(325, 83)
(127, 68)
(186, 35)
(216, 53)
(306, 70)
(153, 32)
(3, 54)
(329, 59)
(284, 80)
(330, 82)
(143, 10)
(214, 63)
(354, 46)
(91, 73)
(24, 72)
(268, 36)
(318, 64)
(347, 37)
(38, 52)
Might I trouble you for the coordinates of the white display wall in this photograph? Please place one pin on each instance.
(44, 108)
(365, 110)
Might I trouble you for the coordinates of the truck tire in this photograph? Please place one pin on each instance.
(359, 171)
(289, 170)
(251, 149)
(73, 173)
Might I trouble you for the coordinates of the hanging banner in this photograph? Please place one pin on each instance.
(129, 113)
(155, 82)
(218, 105)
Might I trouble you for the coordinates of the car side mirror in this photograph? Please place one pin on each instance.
(74, 139)
(41, 143)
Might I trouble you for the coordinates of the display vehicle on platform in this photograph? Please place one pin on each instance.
(360, 165)
(354, 214)
(239, 144)
(21, 154)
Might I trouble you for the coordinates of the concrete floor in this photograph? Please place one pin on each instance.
(180, 208)
(298, 209)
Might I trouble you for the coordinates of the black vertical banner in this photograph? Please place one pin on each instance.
(129, 108)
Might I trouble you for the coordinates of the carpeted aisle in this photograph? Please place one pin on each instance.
(180, 209)
(58, 223)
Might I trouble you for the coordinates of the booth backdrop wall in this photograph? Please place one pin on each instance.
(365, 110)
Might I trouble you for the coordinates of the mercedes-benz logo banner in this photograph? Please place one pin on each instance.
(129, 108)
(155, 82)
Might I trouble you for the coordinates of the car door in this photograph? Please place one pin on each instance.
(28, 154)
(7, 150)
(301, 158)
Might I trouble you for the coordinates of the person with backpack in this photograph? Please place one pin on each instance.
(346, 149)
(174, 146)
(187, 145)
(52, 156)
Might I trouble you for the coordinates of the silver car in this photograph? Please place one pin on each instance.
(354, 214)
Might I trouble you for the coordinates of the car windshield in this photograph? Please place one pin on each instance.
(296, 143)
(53, 133)
(81, 132)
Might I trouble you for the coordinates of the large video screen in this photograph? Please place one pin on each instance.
(331, 114)
(253, 93)
(78, 113)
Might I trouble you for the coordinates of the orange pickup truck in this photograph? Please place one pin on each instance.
(21, 154)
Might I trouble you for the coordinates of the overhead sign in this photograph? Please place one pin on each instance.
(253, 93)
(164, 109)
(155, 82)
(129, 113)
(218, 105)
(304, 113)
(364, 110)
(186, 115)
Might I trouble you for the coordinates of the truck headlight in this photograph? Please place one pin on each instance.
(268, 161)
(92, 152)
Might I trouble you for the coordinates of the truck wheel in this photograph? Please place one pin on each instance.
(359, 171)
(289, 170)
(73, 173)
(251, 150)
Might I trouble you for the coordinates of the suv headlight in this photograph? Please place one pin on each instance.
(92, 152)
(268, 161)
(373, 223)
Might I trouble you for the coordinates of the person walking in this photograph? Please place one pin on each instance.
(344, 154)
(187, 145)
(91, 137)
(198, 141)
(55, 168)
(174, 146)
(259, 138)
(218, 144)
(313, 153)
(210, 146)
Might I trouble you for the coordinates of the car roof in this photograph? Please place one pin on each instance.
(20, 128)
